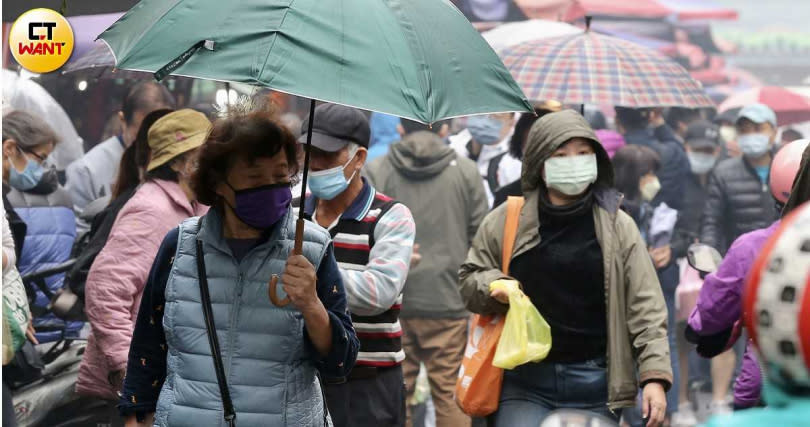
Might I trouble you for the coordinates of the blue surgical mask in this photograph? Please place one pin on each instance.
(327, 184)
(485, 130)
(701, 163)
(754, 144)
(28, 178)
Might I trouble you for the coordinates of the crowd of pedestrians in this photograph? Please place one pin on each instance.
(200, 307)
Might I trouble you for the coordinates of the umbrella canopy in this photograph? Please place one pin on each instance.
(417, 59)
(602, 70)
(99, 63)
(534, 29)
(790, 107)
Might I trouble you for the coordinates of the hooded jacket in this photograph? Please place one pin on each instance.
(637, 316)
(447, 196)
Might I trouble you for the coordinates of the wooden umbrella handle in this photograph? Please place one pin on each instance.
(297, 250)
(272, 293)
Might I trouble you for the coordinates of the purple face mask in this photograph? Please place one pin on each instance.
(262, 207)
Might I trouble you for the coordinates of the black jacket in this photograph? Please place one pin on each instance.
(674, 164)
(687, 229)
(737, 202)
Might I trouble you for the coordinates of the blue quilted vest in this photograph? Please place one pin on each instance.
(270, 373)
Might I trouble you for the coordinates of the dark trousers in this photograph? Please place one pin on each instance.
(9, 418)
(371, 397)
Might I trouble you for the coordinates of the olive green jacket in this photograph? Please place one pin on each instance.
(638, 349)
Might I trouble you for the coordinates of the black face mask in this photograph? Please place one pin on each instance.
(47, 184)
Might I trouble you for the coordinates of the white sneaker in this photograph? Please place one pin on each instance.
(720, 407)
(685, 417)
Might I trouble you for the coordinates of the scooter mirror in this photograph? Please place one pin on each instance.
(576, 418)
(703, 258)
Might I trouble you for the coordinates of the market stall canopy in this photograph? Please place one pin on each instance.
(417, 59)
(571, 10)
(12, 9)
(685, 10)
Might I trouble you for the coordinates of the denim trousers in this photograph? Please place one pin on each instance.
(531, 391)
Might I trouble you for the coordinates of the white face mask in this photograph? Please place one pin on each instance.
(650, 189)
(701, 163)
(754, 144)
(571, 175)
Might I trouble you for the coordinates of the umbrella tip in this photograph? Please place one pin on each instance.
(588, 23)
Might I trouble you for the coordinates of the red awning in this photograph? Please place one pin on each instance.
(571, 10)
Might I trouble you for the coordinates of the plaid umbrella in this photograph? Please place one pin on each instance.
(589, 68)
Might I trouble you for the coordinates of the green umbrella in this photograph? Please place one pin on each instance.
(417, 59)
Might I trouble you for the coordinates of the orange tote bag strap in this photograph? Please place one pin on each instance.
(513, 207)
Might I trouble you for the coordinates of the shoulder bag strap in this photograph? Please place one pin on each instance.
(513, 207)
(210, 327)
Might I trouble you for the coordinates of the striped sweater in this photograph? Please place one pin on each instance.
(373, 242)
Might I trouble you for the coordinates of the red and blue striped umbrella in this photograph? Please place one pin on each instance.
(590, 68)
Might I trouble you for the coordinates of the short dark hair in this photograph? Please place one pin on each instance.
(146, 96)
(410, 126)
(677, 115)
(252, 135)
(631, 163)
(522, 127)
(631, 118)
(791, 135)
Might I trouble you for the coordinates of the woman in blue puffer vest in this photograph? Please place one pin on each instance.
(270, 355)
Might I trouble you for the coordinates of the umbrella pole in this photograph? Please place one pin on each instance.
(299, 226)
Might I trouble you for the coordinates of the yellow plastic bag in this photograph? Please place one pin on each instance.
(526, 336)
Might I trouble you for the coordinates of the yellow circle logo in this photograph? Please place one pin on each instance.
(41, 40)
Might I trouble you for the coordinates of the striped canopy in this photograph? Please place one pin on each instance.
(590, 68)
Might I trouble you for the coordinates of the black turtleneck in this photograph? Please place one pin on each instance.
(564, 278)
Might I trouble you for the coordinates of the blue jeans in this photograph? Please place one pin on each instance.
(531, 391)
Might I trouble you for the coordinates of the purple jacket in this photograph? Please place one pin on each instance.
(719, 307)
(611, 140)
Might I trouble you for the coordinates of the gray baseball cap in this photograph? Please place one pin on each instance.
(335, 126)
(702, 134)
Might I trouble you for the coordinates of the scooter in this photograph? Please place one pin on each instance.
(46, 396)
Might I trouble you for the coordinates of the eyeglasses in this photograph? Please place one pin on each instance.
(40, 158)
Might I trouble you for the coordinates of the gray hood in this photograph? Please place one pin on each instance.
(550, 133)
(421, 155)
